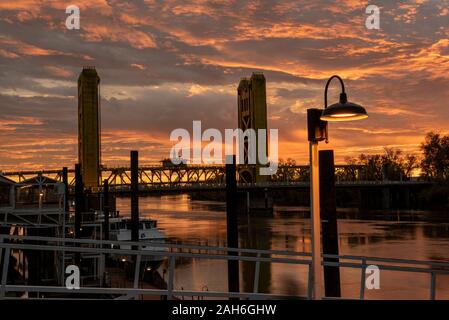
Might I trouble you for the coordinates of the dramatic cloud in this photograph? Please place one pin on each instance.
(166, 63)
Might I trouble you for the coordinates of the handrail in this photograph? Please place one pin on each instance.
(155, 244)
(221, 248)
(101, 248)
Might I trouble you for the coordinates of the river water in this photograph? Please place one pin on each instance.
(405, 235)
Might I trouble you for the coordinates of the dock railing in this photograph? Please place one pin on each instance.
(172, 252)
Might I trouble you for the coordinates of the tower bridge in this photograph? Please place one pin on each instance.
(252, 114)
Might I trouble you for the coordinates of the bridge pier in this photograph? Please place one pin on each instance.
(386, 198)
(255, 202)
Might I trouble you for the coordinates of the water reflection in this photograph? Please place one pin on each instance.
(425, 237)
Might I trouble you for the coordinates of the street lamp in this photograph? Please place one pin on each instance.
(318, 131)
(343, 110)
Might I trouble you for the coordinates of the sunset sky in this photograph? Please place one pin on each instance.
(166, 63)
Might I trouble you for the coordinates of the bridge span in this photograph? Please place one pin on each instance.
(205, 176)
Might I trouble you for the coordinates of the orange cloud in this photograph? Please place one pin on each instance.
(59, 72)
(137, 39)
(26, 49)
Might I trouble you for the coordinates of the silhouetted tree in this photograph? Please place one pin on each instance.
(392, 165)
(372, 166)
(435, 162)
(410, 163)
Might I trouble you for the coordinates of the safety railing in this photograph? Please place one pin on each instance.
(172, 252)
(99, 247)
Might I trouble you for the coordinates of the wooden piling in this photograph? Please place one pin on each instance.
(328, 208)
(232, 224)
(106, 208)
(134, 195)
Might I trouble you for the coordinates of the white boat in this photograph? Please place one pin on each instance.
(120, 230)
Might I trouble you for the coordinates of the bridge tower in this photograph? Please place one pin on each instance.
(252, 114)
(89, 126)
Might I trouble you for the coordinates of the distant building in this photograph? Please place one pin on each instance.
(6, 192)
(89, 126)
(36, 192)
(252, 114)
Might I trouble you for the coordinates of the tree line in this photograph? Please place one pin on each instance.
(431, 164)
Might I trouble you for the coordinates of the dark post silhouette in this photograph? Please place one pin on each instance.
(79, 206)
(65, 181)
(134, 196)
(328, 208)
(232, 224)
(79, 200)
(106, 208)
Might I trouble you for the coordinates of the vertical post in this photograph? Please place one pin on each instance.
(135, 203)
(232, 223)
(362, 279)
(12, 197)
(134, 196)
(137, 271)
(433, 283)
(310, 283)
(316, 131)
(106, 208)
(65, 181)
(257, 275)
(1, 249)
(79, 200)
(4, 278)
(315, 220)
(328, 208)
(79, 207)
(171, 277)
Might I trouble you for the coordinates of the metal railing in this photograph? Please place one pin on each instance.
(176, 251)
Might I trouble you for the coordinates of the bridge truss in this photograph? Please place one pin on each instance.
(186, 174)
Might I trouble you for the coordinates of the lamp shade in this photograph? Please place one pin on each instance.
(344, 111)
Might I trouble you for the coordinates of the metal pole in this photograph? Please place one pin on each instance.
(79, 207)
(106, 208)
(4, 278)
(362, 279)
(134, 196)
(79, 200)
(65, 180)
(315, 220)
(232, 224)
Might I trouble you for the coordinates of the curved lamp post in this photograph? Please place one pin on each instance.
(342, 110)
(317, 131)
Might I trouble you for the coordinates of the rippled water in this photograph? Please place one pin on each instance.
(406, 235)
